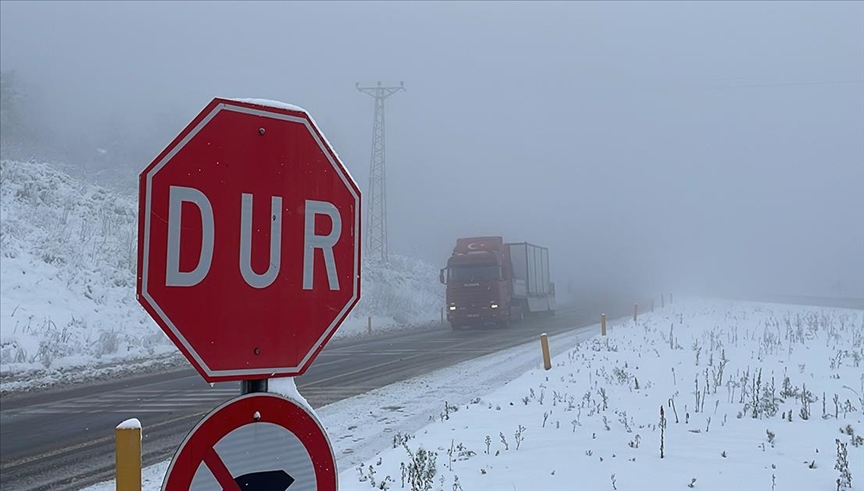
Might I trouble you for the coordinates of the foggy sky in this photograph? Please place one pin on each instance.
(709, 146)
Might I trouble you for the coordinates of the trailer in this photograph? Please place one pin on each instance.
(531, 279)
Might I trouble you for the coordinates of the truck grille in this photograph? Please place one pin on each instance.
(477, 296)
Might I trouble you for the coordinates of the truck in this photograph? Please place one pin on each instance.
(489, 281)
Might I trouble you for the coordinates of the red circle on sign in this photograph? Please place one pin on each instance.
(271, 408)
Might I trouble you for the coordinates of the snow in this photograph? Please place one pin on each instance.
(68, 259)
(68, 275)
(285, 387)
(130, 424)
(503, 422)
(267, 103)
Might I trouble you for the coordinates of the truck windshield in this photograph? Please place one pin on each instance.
(474, 273)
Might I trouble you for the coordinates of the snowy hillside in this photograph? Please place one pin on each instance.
(67, 280)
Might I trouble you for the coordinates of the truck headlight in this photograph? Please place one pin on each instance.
(452, 307)
(494, 305)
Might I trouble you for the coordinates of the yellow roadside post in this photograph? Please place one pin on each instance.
(128, 455)
(635, 311)
(369, 325)
(603, 324)
(544, 344)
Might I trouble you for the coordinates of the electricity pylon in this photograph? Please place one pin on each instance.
(376, 206)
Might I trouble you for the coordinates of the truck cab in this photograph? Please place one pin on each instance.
(479, 283)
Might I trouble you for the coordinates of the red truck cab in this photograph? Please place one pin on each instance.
(479, 283)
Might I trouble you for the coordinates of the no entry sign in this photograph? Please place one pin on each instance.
(259, 441)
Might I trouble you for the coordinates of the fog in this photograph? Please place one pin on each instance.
(687, 146)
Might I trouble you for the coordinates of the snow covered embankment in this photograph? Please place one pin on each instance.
(702, 395)
(68, 258)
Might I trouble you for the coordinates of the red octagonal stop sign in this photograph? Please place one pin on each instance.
(249, 240)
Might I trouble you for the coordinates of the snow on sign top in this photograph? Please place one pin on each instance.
(266, 103)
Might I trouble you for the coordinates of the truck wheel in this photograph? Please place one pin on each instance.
(517, 314)
(456, 327)
(511, 318)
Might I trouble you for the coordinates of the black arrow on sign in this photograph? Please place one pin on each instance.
(265, 481)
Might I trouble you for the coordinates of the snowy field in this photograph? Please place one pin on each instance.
(68, 255)
(704, 394)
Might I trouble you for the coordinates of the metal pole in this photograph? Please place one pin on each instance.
(250, 386)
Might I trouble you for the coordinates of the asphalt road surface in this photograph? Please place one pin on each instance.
(65, 439)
